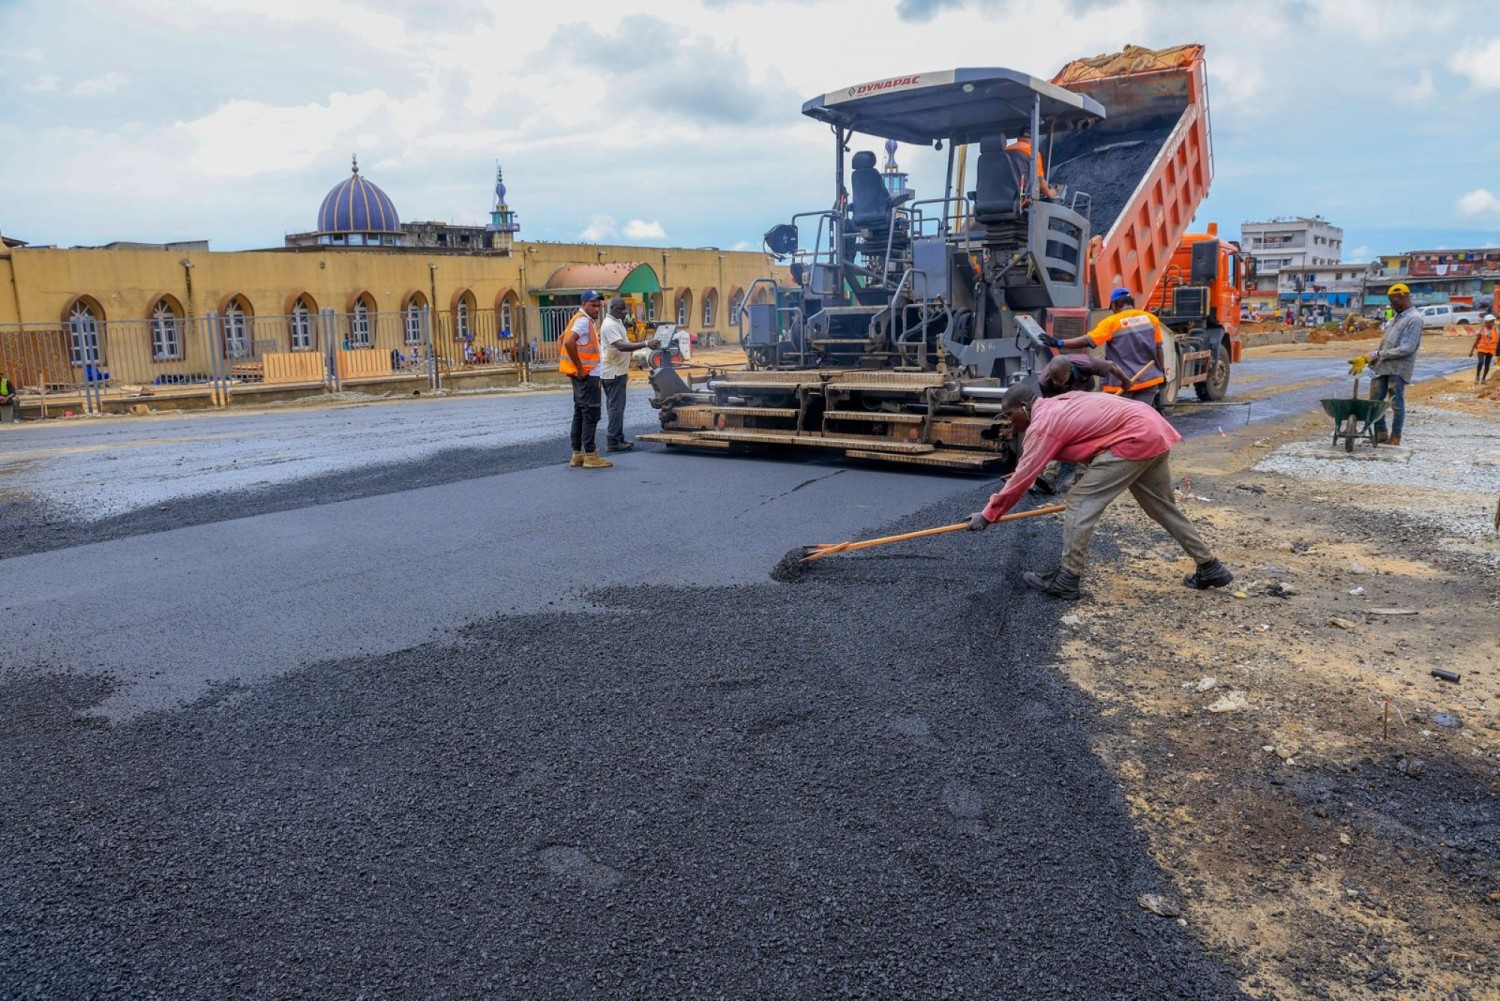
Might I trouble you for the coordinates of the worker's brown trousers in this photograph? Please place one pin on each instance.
(1149, 482)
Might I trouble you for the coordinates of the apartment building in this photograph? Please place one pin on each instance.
(1295, 241)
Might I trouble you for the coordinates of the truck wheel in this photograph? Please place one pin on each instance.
(1168, 395)
(1217, 383)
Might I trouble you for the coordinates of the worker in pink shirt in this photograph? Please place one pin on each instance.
(1125, 444)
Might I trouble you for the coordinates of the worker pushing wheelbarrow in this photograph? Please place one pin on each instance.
(1354, 417)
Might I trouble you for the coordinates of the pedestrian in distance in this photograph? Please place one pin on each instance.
(1132, 340)
(7, 400)
(614, 372)
(1393, 363)
(1126, 445)
(579, 361)
(1485, 344)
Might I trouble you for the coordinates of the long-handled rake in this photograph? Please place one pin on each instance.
(793, 563)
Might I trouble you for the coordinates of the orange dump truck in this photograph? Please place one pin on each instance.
(1146, 168)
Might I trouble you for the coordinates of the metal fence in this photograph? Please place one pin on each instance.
(86, 361)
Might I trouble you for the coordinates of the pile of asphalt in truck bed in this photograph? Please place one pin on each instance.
(1108, 166)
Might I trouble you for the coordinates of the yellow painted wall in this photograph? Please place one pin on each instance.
(127, 283)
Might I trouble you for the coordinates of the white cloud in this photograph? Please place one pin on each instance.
(27, 55)
(1360, 253)
(44, 84)
(599, 229)
(637, 229)
(246, 138)
(1479, 202)
(1480, 63)
(100, 86)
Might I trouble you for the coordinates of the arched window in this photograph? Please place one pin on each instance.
(236, 325)
(84, 319)
(507, 315)
(166, 332)
(710, 307)
(301, 325)
(685, 308)
(736, 305)
(463, 317)
(361, 323)
(411, 318)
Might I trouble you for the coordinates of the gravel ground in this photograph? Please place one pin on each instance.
(1450, 454)
(886, 793)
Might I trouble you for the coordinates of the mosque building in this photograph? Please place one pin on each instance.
(360, 297)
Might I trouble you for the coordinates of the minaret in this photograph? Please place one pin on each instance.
(895, 180)
(502, 220)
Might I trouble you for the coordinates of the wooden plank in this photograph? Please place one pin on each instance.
(873, 416)
(756, 411)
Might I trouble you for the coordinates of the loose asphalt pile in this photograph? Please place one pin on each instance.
(1107, 165)
(867, 785)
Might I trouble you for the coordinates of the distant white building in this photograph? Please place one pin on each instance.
(1291, 242)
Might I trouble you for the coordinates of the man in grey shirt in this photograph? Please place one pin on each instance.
(1392, 364)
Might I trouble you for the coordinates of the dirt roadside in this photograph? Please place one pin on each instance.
(1248, 726)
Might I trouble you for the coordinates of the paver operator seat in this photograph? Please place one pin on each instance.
(872, 202)
(999, 181)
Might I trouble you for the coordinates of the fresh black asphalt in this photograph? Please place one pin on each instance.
(869, 784)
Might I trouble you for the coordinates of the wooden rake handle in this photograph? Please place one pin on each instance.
(848, 547)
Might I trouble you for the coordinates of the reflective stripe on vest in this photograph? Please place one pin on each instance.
(588, 353)
(1131, 345)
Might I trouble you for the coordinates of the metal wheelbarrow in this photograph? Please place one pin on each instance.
(1354, 418)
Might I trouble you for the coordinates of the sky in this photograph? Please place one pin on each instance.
(677, 122)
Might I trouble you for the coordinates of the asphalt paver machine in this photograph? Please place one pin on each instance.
(902, 318)
(906, 318)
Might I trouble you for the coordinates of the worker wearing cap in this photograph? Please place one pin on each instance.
(1132, 339)
(579, 361)
(1126, 446)
(1392, 364)
(1023, 145)
(1484, 345)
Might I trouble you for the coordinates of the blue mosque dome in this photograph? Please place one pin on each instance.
(357, 206)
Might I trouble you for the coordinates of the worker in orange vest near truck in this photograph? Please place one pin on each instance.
(1132, 339)
(579, 361)
(1485, 344)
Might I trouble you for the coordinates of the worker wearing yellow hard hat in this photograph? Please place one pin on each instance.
(1393, 363)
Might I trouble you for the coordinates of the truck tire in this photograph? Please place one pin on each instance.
(1217, 383)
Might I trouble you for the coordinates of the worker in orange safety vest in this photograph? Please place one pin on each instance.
(1485, 345)
(579, 361)
(1132, 339)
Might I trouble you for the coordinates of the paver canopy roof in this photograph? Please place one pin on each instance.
(959, 106)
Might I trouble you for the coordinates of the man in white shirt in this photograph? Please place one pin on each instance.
(614, 372)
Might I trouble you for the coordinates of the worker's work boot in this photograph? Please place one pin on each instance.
(1382, 436)
(577, 459)
(1059, 583)
(593, 460)
(1210, 574)
(1394, 439)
